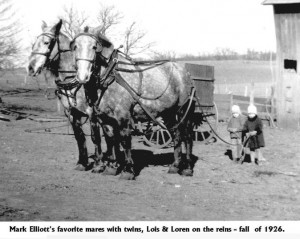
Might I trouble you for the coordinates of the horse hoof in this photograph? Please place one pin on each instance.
(80, 167)
(110, 171)
(98, 169)
(127, 176)
(173, 170)
(89, 166)
(187, 172)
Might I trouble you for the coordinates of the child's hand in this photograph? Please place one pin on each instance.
(230, 129)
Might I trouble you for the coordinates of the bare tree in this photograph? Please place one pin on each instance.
(9, 28)
(168, 55)
(133, 42)
(73, 20)
(108, 17)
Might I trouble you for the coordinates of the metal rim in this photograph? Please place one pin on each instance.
(158, 138)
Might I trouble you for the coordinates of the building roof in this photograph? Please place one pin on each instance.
(274, 2)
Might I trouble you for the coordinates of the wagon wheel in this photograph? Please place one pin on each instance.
(156, 137)
(206, 124)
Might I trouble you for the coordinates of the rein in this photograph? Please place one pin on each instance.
(150, 64)
(120, 80)
(153, 65)
(108, 76)
(112, 74)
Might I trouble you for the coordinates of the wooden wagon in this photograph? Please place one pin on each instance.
(205, 115)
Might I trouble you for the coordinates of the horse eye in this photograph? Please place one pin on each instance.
(94, 47)
(46, 43)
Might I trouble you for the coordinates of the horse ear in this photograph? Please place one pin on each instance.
(108, 47)
(72, 45)
(44, 25)
(56, 28)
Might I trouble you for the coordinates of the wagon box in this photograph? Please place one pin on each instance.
(203, 81)
(206, 114)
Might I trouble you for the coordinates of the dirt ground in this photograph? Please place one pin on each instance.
(38, 181)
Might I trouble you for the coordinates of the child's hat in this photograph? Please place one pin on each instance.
(235, 109)
(252, 109)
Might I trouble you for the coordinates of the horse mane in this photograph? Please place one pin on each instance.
(64, 41)
(64, 36)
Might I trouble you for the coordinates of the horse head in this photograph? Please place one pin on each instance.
(43, 47)
(88, 46)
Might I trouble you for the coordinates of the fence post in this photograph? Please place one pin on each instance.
(231, 101)
(58, 106)
(246, 91)
(252, 93)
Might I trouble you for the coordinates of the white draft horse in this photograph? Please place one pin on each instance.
(136, 91)
(51, 52)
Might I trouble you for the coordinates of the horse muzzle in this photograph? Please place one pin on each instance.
(82, 78)
(34, 71)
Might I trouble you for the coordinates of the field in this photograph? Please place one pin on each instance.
(38, 181)
(235, 76)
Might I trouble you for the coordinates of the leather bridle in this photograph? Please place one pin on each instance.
(92, 61)
(53, 40)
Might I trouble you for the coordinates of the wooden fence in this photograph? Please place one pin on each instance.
(265, 106)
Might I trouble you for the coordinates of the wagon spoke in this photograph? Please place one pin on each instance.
(202, 135)
(163, 137)
(151, 136)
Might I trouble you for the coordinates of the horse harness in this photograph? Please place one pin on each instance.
(69, 83)
(112, 74)
(112, 70)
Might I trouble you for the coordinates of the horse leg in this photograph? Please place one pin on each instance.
(128, 170)
(188, 170)
(96, 138)
(174, 167)
(82, 164)
(113, 150)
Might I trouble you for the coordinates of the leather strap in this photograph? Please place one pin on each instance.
(123, 83)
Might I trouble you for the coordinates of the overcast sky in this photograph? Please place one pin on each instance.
(182, 26)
